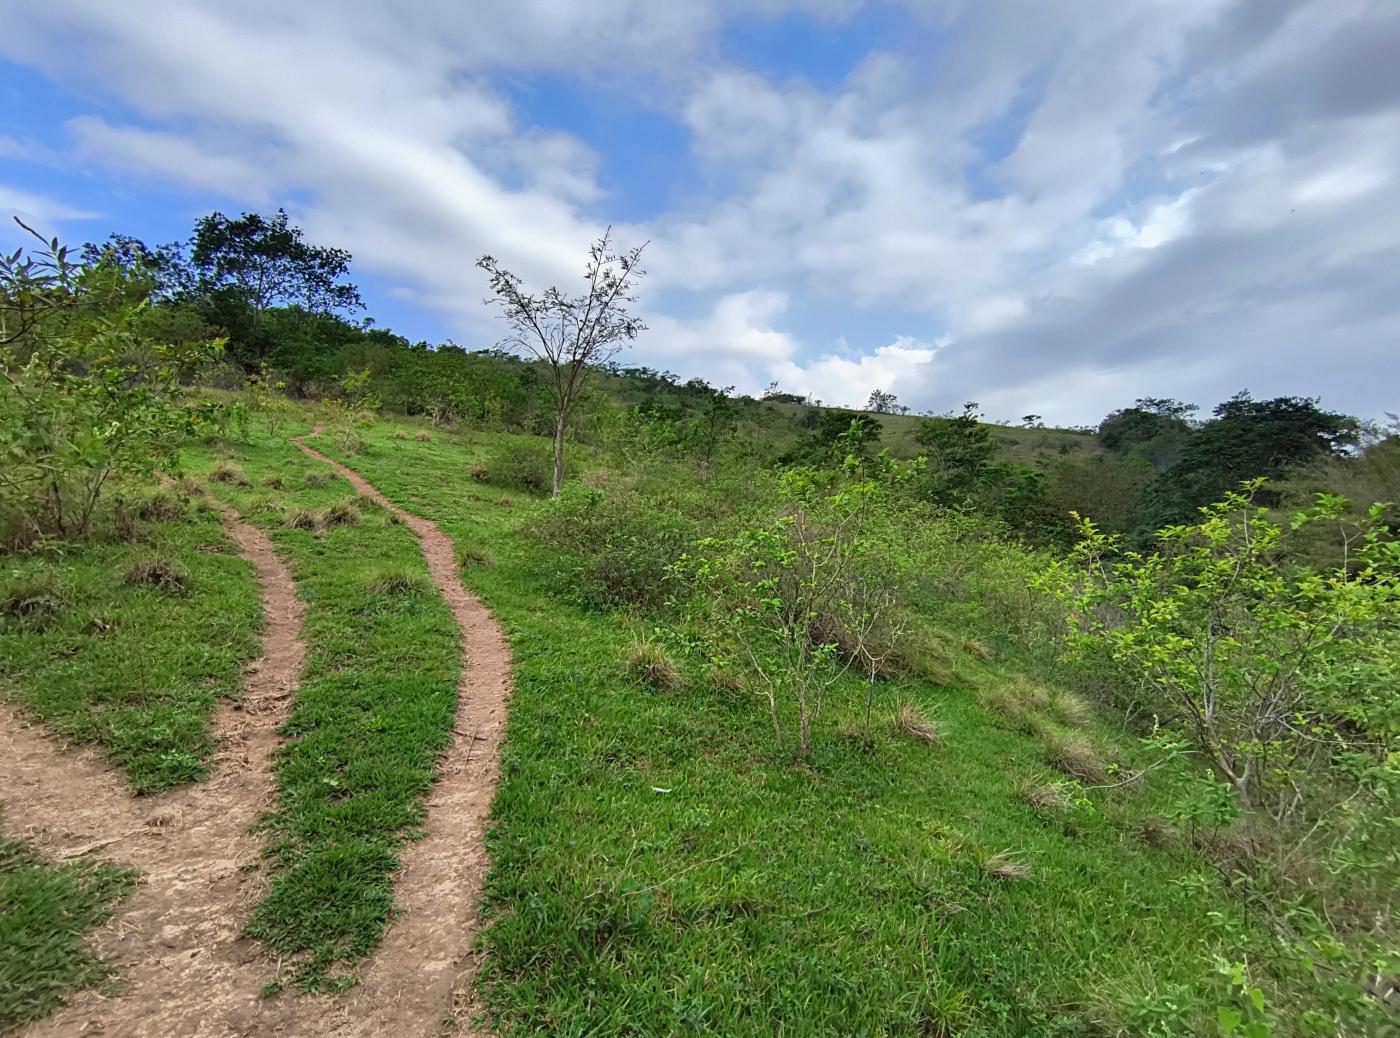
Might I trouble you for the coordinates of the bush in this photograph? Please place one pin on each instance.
(617, 548)
(526, 465)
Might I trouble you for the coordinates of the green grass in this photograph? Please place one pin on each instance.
(134, 667)
(46, 910)
(659, 868)
(372, 715)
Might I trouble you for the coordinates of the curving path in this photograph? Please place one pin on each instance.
(423, 968)
(175, 941)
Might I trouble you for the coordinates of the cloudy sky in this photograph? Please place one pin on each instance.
(1045, 207)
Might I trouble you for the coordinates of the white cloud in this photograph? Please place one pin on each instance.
(848, 382)
(173, 157)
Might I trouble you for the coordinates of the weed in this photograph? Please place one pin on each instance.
(164, 574)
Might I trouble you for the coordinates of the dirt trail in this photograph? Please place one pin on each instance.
(425, 962)
(174, 941)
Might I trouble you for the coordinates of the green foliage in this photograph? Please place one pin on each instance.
(617, 545)
(1269, 667)
(85, 400)
(46, 912)
(526, 465)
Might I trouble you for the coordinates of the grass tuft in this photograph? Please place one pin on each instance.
(1070, 708)
(190, 486)
(399, 434)
(163, 506)
(649, 663)
(1073, 754)
(315, 479)
(274, 483)
(910, 719)
(35, 601)
(229, 473)
(1003, 866)
(978, 649)
(1045, 796)
(423, 437)
(468, 557)
(342, 513)
(299, 519)
(398, 582)
(165, 574)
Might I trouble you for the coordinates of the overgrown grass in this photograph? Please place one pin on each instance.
(659, 868)
(46, 912)
(129, 645)
(372, 715)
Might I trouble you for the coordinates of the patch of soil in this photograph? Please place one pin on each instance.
(175, 941)
(424, 966)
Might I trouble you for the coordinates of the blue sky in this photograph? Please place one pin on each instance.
(1047, 208)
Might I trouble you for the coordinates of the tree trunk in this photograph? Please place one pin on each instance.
(559, 453)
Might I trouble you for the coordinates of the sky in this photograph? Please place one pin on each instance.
(1048, 208)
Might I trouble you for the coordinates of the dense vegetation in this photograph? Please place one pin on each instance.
(840, 718)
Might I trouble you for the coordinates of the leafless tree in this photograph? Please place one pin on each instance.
(571, 334)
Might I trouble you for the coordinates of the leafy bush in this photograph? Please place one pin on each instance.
(525, 465)
(618, 546)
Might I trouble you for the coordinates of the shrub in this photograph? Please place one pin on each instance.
(649, 664)
(617, 548)
(526, 464)
(164, 574)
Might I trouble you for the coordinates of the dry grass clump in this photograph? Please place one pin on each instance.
(398, 582)
(923, 653)
(505, 502)
(423, 437)
(342, 513)
(649, 663)
(299, 519)
(1075, 755)
(1154, 831)
(34, 601)
(1069, 708)
(273, 482)
(365, 503)
(479, 471)
(190, 486)
(315, 479)
(1004, 701)
(164, 574)
(227, 472)
(399, 434)
(726, 679)
(1045, 796)
(910, 719)
(1003, 866)
(162, 506)
(978, 649)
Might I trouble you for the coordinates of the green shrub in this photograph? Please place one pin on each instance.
(525, 465)
(617, 547)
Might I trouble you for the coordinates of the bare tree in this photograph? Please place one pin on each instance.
(571, 334)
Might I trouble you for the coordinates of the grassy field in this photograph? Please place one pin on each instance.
(658, 868)
(373, 711)
(46, 910)
(129, 640)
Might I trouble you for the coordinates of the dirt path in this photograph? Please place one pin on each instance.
(175, 942)
(426, 960)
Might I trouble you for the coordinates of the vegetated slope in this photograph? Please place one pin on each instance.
(128, 643)
(659, 867)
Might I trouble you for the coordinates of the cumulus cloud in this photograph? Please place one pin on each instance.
(1096, 202)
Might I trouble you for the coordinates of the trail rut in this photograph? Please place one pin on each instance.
(175, 941)
(425, 960)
